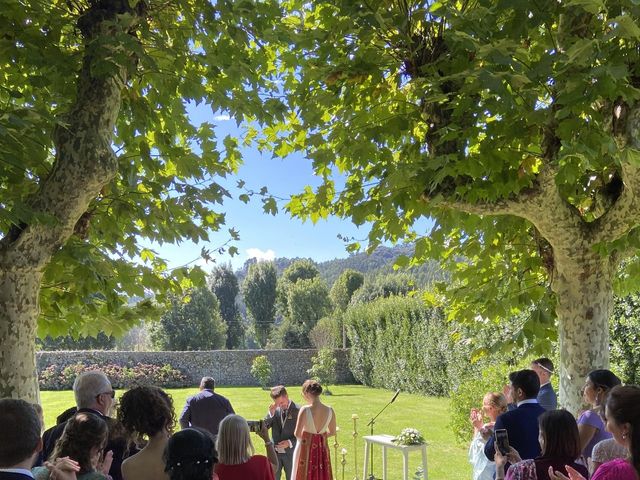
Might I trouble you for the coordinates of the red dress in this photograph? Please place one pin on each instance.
(311, 458)
(257, 468)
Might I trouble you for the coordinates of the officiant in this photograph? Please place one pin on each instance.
(282, 419)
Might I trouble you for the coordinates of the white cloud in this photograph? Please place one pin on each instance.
(222, 118)
(267, 255)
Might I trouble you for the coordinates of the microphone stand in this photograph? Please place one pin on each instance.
(372, 423)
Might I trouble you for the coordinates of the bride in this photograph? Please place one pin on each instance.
(316, 422)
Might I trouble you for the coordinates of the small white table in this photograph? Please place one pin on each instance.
(386, 442)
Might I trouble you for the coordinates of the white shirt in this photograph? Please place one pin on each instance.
(528, 400)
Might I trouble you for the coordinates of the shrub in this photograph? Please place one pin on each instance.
(469, 395)
(326, 333)
(399, 343)
(323, 368)
(261, 370)
(55, 377)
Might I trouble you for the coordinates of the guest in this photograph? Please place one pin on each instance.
(282, 419)
(590, 425)
(622, 414)
(522, 423)
(94, 394)
(546, 395)
(316, 422)
(236, 459)
(20, 440)
(605, 451)
(493, 404)
(190, 455)
(205, 409)
(83, 439)
(147, 412)
(559, 444)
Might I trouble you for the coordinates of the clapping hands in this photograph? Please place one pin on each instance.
(62, 469)
(573, 474)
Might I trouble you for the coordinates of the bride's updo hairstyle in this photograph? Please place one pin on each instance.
(311, 387)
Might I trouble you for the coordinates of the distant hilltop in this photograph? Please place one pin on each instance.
(379, 262)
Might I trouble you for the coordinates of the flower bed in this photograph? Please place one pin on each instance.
(56, 378)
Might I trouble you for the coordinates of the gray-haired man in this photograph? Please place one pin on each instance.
(93, 393)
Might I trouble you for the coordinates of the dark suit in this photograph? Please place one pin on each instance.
(522, 427)
(117, 445)
(205, 410)
(283, 427)
(547, 397)
(14, 476)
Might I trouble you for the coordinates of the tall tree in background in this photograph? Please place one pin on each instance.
(304, 269)
(307, 302)
(514, 125)
(192, 323)
(224, 285)
(341, 292)
(98, 156)
(259, 291)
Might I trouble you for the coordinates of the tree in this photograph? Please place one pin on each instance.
(259, 291)
(307, 301)
(303, 269)
(341, 292)
(98, 158)
(513, 126)
(192, 323)
(224, 286)
(344, 287)
(99, 342)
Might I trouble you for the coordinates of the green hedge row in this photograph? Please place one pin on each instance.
(398, 342)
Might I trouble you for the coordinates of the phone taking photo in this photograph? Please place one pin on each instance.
(502, 440)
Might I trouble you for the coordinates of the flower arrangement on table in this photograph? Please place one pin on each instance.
(409, 436)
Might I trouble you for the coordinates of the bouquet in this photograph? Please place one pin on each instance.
(409, 436)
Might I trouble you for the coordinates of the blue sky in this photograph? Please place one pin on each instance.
(263, 235)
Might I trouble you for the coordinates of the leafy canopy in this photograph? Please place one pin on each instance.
(183, 53)
(406, 107)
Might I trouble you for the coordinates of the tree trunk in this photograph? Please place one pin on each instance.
(582, 283)
(18, 323)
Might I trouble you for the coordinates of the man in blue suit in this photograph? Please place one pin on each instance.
(522, 422)
(546, 396)
(206, 409)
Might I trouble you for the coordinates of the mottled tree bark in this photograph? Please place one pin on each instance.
(83, 164)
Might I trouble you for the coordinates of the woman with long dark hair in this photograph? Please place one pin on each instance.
(190, 455)
(622, 417)
(559, 444)
(83, 440)
(590, 425)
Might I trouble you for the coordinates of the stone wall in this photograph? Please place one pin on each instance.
(228, 367)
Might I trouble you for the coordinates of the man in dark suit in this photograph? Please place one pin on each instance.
(20, 440)
(282, 419)
(522, 423)
(546, 396)
(205, 409)
(94, 394)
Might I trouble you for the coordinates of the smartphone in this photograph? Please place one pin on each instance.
(502, 441)
(255, 426)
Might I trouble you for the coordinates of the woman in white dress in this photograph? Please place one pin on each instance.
(316, 422)
(493, 404)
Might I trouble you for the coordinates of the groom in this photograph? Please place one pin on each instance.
(282, 418)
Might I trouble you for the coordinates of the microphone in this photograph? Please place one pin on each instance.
(395, 396)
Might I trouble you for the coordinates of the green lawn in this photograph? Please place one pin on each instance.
(446, 459)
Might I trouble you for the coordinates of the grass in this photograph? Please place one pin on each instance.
(446, 458)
